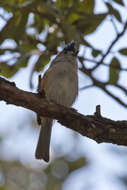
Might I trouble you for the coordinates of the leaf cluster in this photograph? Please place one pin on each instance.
(38, 28)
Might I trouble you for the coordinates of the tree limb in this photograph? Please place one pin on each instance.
(94, 126)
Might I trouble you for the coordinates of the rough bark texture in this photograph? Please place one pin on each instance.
(94, 126)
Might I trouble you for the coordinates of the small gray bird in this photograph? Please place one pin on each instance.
(60, 84)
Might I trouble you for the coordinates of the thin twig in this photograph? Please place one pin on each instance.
(86, 87)
(115, 98)
(3, 18)
(111, 46)
(105, 64)
(98, 111)
(114, 24)
(102, 85)
(121, 88)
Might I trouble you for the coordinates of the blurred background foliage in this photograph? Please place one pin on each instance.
(16, 175)
(31, 27)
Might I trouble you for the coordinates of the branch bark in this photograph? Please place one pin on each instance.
(94, 126)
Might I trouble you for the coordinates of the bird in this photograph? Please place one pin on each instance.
(60, 85)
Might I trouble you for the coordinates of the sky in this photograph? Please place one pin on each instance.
(105, 161)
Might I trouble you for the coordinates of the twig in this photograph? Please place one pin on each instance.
(115, 98)
(97, 62)
(121, 88)
(98, 111)
(111, 46)
(44, 15)
(102, 85)
(3, 18)
(114, 24)
(86, 87)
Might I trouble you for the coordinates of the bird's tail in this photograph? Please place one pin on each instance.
(42, 150)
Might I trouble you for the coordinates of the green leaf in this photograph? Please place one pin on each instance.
(21, 26)
(42, 61)
(39, 25)
(22, 62)
(123, 51)
(73, 17)
(87, 6)
(89, 22)
(76, 11)
(39, 66)
(15, 27)
(114, 71)
(119, 2)
(114, 12)
(64, 5)
(60, 4)
(95, 52)
(27, 46)
(48, 12)
(79, 163)
(6, 30)
(7, 70)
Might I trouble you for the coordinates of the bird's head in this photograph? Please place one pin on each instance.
(70, 48)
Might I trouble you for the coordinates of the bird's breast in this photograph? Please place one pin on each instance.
(62, 86)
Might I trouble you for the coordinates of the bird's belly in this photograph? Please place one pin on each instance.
(63, 90)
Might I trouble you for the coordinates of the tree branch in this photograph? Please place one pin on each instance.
(95, 127)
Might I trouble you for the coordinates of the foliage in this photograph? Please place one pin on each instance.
(15, 175)
(58, 21)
